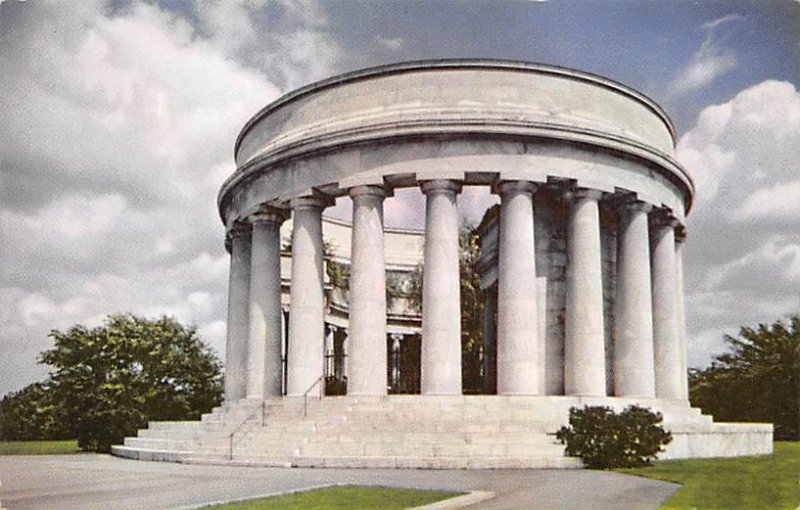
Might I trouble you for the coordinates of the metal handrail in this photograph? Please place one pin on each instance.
(305, 395)
(261, 408)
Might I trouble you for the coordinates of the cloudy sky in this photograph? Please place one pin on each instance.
(117, 123)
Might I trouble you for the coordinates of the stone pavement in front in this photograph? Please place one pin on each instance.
(101, 481)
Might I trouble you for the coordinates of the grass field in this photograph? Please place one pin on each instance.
(39, 447)
(345, 497)
(763, 482)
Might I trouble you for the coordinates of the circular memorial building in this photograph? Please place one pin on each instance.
(580, 267)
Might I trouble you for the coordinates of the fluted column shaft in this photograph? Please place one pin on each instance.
(633, 324)
(307, 313)
(264, 343)
(518, 364)
(666, 339)
(238, 313)
(584, 344)
(441, 301)
(367, 294)
(680, 240)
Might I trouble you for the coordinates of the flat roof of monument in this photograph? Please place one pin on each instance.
(477, 63)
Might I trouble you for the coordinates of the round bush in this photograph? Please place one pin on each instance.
(604, 439)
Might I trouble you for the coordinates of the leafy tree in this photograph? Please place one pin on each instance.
(112, 379)
(471, 310)
(415, 288)
(604, 439)
(31, 414)
(757, 381)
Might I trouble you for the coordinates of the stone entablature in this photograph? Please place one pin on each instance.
(474, 121)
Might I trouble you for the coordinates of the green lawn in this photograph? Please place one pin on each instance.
(344, 497)
(763, 482)
(39, 447)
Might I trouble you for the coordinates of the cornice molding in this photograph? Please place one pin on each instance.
(475, 128)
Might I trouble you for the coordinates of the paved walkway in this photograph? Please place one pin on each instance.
(100, 481)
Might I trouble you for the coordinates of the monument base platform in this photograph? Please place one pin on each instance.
(413, 431)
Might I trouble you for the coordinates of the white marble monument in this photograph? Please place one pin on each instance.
(581, 262)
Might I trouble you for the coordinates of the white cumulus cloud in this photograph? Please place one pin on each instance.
(710, 61)
(118, 128)
(743, 254)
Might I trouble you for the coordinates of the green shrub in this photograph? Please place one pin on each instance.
(606, 440)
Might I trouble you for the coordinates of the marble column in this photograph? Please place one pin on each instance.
(680, 241)
(264, 342)
(338, 355)
(633, 321)
(666, 339)
(307, 301)
(440, 363)
(584, 342)
(330, 335)
(518, 358)
(346, 353)
(238, 313)
(284, 346)
(396, 339)
(367, 299)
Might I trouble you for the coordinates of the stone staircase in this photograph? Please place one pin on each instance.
(400, 431)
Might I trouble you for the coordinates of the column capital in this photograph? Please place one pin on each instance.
(589, 193)
(504, 187)
(269, 214)
(663, 217)
(360, 191)
(632, 204)
(318, 200)
(570, 195)
(440, 185)
(237, 229)
(680, 233)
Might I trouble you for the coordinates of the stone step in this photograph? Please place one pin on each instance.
(546, 462)
(181, 434)
(401, 427)
(159, 444)
(400, 449)
(149, 454)
(216, 460)
(394, 431)
(182, 425)
(398, 445)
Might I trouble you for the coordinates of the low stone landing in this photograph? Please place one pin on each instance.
(410, 431)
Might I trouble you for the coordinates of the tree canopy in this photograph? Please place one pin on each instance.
(471, 311)
(757, 381)
(32, 413)
(107, 381)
